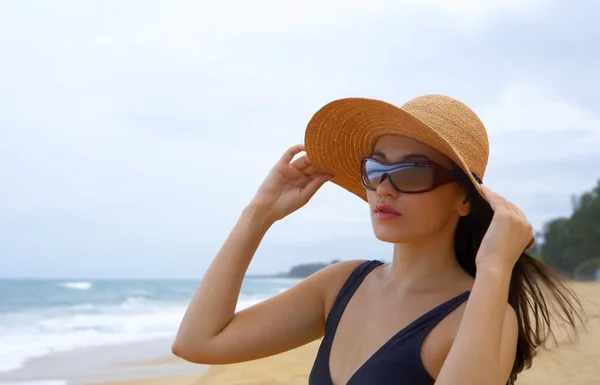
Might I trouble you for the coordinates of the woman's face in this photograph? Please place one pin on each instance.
(422, 215)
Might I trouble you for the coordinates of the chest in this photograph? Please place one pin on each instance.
(398, 332)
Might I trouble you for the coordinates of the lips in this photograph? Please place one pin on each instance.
(385, 212)
(386, 209)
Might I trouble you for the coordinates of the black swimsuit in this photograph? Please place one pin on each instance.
(398, 361)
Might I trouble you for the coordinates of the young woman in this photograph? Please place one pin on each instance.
(460, 303)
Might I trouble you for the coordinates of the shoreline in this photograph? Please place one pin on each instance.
(152, 363)
(141, 360)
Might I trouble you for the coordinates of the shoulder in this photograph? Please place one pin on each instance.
(327, 282)
(331, 279)
(510, 330)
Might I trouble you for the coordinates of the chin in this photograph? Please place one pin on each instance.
(391, 234)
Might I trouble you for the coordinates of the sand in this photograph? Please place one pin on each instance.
(577, 363)
(573, 364)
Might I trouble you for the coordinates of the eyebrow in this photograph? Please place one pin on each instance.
(404, 158)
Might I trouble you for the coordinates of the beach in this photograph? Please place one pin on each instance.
(152, 363)
(574, 364)
(290, 368)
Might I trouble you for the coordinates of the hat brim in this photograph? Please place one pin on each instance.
(358, 123)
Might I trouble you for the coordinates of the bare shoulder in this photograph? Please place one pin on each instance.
(332, 278)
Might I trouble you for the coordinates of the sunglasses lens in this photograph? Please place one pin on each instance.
(407, 177)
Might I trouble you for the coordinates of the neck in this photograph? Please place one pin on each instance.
(425, 265)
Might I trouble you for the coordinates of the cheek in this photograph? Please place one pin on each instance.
(372, 198)
(429, 210)
(423, 214)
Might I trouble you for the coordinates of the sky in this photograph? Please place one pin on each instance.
(132, 134)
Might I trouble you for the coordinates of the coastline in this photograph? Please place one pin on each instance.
(152, 363)
(142, 360)
(81, 331)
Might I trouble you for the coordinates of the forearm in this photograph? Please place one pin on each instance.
(213, 305)
(475, 356)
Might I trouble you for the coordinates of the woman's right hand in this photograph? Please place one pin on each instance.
(288, 186)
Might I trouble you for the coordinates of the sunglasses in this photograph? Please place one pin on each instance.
(406, 177)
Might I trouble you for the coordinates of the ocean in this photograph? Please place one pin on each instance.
(46, 317)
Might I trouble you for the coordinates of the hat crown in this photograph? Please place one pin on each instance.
(457, 124)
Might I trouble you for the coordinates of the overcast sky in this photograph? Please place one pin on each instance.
(132, 133)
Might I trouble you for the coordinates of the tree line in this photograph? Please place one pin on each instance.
(571, 245)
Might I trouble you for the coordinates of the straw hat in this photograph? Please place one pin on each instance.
(345, 130)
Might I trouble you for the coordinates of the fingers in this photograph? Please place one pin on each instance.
(315, 184)
(309, 179)
(497, 202)
(291, 152)
(495, 199)
(309, 170)
(301, 163)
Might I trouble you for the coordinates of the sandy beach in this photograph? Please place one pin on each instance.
(290, 368)
(575, 364)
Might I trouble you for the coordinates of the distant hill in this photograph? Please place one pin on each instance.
(298, 271)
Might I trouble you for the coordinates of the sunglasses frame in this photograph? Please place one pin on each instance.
(441, 175)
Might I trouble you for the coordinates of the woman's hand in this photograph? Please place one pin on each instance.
(288, 186)
(508, 234)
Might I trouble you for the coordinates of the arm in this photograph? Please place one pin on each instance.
(484, 348)
(211, 333)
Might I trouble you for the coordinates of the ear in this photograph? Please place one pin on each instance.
(463, 205)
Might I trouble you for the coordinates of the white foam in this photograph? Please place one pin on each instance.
(76, 285)
(33, 333)
(40, 334)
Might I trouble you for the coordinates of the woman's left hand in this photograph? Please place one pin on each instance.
(508, 234)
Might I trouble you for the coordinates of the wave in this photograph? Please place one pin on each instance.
(76, 285)
(133, 302)
(129, 315)
(134, 320)
(40, 335)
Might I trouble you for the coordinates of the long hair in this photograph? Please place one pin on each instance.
(540, 297)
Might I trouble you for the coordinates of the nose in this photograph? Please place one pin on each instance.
(385, 187)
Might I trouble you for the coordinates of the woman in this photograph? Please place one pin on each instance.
(460, 303)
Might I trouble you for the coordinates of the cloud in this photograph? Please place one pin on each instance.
(136, 132)
(533, 124)
(544, 149)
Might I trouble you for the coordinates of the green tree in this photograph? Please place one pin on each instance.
(568, 243)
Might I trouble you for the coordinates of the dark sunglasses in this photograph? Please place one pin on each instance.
(406, 177)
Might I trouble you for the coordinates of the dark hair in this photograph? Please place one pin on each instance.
(537, 294)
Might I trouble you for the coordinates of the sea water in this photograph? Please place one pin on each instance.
(45, 317)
